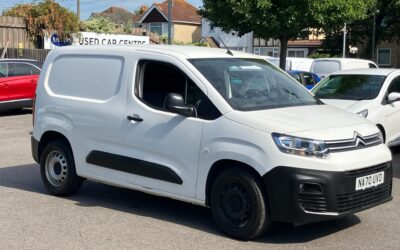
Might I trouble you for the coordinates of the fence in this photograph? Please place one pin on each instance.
(13, 33)
(37, 54)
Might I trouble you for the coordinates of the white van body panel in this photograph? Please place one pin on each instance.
(294, 63)
(340, 64)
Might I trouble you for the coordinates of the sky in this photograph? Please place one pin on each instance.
(89, 6)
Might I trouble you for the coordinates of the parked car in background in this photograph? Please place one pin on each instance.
(325, 66)
(371, 93)
(18, 79)
(294, 63)
(308, 79)
(231, 132)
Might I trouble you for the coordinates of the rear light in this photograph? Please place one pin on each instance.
(33, 110)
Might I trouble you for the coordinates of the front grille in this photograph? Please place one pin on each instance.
(357, 142)
(313, 203)
(362, 199)
(369, 170)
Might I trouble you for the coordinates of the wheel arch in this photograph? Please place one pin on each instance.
(50, 136)
(220, 166)
(382, 129)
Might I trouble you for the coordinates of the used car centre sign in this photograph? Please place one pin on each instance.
(91, 38)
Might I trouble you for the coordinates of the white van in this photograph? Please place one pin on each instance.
(231, 132)
(294, 63)
(325, 66)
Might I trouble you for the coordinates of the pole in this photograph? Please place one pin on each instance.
(373, 38)
(78, 9)
(169, 22)
(344, 41)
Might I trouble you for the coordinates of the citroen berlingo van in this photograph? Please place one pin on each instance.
(221, 129)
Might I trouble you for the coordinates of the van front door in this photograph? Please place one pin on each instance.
(162, 147)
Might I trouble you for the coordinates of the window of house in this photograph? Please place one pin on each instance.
(158, 79)
(267, 51)
(156, 28)
(296, 53)
(384, 56)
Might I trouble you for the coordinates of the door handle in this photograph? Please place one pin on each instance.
(33, 81)
(134, 117)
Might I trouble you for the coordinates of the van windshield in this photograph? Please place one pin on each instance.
(253, 84)
(350, 87)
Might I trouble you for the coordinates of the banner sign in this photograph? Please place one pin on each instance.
(91, 38)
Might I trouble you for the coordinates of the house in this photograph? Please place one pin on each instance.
(215, 37)
(186, 23)
(388, 54)
(295, 48)
(116, 14)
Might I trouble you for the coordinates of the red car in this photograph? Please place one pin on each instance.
(18, 79)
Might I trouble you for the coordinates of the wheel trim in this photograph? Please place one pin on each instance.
(236, 205)
(56, 168)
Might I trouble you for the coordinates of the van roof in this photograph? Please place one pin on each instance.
(379, 72)
(342, 59)
(185, 52)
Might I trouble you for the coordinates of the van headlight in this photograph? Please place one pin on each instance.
(363, 113)
(301, 146)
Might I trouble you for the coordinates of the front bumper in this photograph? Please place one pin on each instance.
(302, 196)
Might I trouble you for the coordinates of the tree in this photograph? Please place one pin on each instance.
(387, 28)
(283, 20)
(99, 24)
(141, 9)
(45, 17)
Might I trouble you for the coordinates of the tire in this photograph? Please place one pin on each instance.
(57, 169)
(239, 205)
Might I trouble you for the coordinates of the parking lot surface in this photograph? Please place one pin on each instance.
(105, 217)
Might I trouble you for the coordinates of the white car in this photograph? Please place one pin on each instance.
(371, 93)
(232, 132)
(325, 66)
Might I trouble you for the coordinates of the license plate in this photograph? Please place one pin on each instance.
(369, 181)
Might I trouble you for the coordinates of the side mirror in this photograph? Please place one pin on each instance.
(176, 104)
(393, 97)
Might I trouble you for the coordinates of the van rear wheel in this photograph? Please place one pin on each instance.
(57, 169)
(238, 204)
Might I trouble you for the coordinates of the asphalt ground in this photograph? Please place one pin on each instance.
(106, 217)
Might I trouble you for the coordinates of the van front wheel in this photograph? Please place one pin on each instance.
(57, 169)
(238, 204)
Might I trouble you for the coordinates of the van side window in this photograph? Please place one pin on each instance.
(158, 79)
(394, 85)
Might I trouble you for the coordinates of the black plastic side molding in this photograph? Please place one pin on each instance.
(133, 166)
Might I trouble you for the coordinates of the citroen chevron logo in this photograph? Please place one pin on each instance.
(358, 139)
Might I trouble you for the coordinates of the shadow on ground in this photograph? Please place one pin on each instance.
(15, 112)
(396, 161)
(92, 194)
